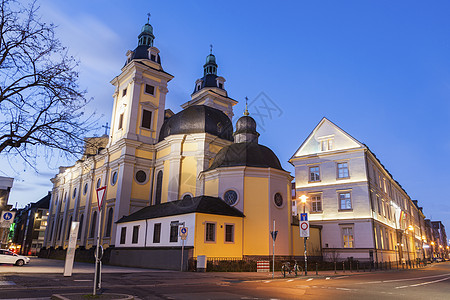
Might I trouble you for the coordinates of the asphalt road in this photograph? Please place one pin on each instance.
(38, 281)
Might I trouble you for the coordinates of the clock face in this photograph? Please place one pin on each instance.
(278, 199)
(230, 197)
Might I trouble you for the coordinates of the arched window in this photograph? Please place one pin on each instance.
(81, 226)
(93, 223)
(159, 181)
(59, 229)
(68, 228)
(109, 223)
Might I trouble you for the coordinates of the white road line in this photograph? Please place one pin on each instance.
(340, 277)
(289, 280)
(343, 289)
(328, 278)
(267, 281)
(423, 283)
(309, 279)
(82, 280)
(416, 278)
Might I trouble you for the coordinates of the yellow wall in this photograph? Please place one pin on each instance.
(188, 175)
(189, 147)
(218, 248)
(312, 244)
(140, 191)
(163, 152)
(165, 185)
(256, 221)
(212, 187)
(114, 156)
(143, 154)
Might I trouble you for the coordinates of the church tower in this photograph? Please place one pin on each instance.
(210, 89)
(140, 93)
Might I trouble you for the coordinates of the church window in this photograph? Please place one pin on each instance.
(278, 199)
(149, 89)
(68, 228)
(114, 178)
(220, 85)
(199, 87)
(159, 182)
(124, 92)
(347, 237)
(93, 223)
(81, 226)
(141, 176)
(74, 192)
(120, 121)
(123, 235)
(187, 197)
(345, 201)
(157, 233)
(314, 174)
(316, 203)
(230, 197)
(342, 170)
(135, 234)
(109, 221)
(229, 233)
(60, 229)
(146, 119)
(210, 233)
(85, 189)
(99, 182)
(173, 232)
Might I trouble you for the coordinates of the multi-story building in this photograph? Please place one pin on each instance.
(30, 225)
(364, 212)
(440, 239)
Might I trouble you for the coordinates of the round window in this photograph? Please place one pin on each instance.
(114, 178)
(230, 197)
(99, 182)
(85, 188)
(141, 177)
(74, 192)
(187, 197)
(278, 199)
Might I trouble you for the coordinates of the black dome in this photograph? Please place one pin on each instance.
(246, 154)
(198, 119)
(209, 80)
(141, 52)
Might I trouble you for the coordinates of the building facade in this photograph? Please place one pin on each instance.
(364, 212)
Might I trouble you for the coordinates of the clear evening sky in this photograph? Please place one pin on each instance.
(378, 69)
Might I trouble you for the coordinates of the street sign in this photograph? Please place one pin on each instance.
(274, 235)
(7, 218)
(70, 254)
(304, 225)
(183, 232)
(101, 192)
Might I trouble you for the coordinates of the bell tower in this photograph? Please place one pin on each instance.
(140, 93)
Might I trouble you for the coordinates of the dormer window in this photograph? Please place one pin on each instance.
(153, 57)
(220, 85)
(199, 87)
(326, 144)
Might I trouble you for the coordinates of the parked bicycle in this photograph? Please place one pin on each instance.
(287, 269)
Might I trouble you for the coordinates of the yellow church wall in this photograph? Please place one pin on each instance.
(114, 156)
(312, 244)
(163, 152)
(144, 154)
(189, 147)
(219, 248)
(165, 184)
(111, 190)
(212, 187)
(140, 191)
(214, 148)
(99, 163)
(256, 226)
(188, 175)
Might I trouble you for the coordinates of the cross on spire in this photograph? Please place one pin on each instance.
(246, 113)
(106, 128)
(148, 17)
(210, 50)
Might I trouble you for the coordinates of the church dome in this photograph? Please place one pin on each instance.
(210, 59)
(198, 119)
(147, 28)
(246, 154)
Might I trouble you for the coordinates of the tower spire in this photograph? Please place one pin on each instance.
(148, 18)
(246, 113)
(210, 50)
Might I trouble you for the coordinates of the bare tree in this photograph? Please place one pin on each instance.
(41, 103)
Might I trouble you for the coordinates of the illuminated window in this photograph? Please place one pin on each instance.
(345, 201)
(342, 170)
(316, 203)
(347, 237)
(314, 174)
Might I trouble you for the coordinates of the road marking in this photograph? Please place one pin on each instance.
(328, 278)
(340, 277)
(423, 283)
(290, 280)
(343, 289)
(416, 278)
(309, 279)
(267, 281)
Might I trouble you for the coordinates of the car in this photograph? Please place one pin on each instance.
(8, 257)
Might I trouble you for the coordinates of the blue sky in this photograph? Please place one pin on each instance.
(378, 69)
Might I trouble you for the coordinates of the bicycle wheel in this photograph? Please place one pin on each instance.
(283, 270)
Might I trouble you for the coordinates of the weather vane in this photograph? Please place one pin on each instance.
(246, 113)
(210, 50)
(148, 17)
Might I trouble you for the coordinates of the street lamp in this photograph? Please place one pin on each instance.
(303, 199)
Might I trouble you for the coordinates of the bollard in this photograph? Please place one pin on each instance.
(317, 269)
(335, 268)
(343, 267)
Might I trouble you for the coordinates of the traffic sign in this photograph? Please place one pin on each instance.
(183, 232)
(101, 192)
(7, 218)
(274, 235)
(304, 225)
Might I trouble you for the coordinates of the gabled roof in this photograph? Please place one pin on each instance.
(201, 204)
(325, 129)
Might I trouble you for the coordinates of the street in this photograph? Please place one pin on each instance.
(42, 278)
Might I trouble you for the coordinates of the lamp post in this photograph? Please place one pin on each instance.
(432, 250)
(303, 201)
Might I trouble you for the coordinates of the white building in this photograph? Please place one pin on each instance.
(364, 212)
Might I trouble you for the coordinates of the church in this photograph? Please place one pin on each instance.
(164, 170)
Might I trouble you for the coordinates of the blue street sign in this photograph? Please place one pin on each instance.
(304, 217)
(7, 216)
(183, 230)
